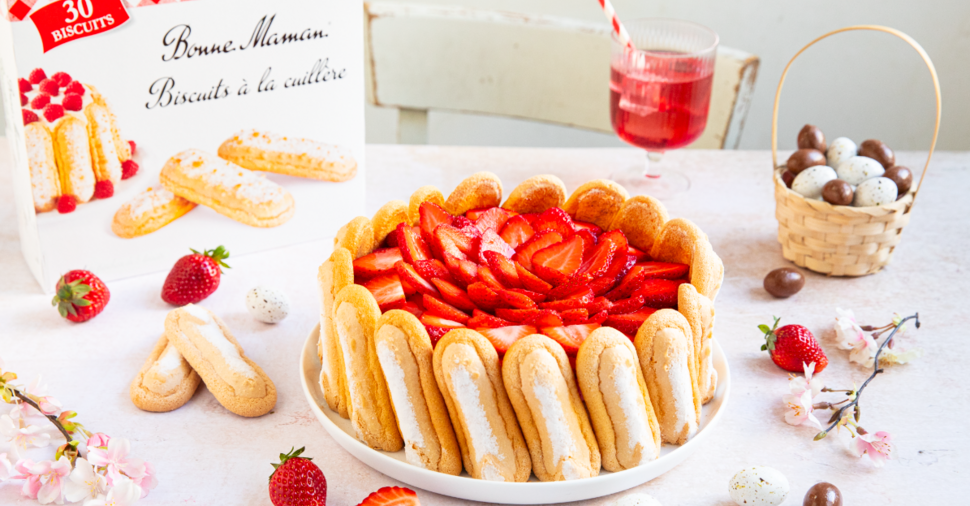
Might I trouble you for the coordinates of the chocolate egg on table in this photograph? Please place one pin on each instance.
(823, 494)
(840, 150)
(902, 176)
(838, 193)
(759, 486)
(810, 137)
(878, 151)
(859, 168)
(809, 182)
(787, 177)
(784, 282)
(803, 159)
(875, 192)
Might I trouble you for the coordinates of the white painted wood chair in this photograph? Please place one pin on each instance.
(540, 68)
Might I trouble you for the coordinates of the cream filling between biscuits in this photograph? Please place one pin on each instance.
(360, 383)
(394, 360)
(635, 444)
(167, 373)
(706, 375)
(672, 376)
(232, 369)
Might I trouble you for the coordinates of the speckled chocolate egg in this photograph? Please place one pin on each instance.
(878, 151)
(838, 193)
(858, 169)
(902, 176)
(875, 192)
(809, 182)
(267, 305)
(636, 500)
(759, 486)
(823, 494)
(803, 159)
(840, 150)
(811, 137)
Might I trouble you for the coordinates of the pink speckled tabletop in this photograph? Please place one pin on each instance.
(205, 455)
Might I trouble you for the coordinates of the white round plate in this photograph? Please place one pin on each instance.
(532, 492)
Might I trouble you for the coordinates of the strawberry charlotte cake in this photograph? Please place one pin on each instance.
(540, 335)
(74, 149)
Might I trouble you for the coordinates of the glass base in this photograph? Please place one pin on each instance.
(659, 184)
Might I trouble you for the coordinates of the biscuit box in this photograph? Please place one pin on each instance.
(142, 128)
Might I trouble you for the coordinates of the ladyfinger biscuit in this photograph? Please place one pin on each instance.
(72, 150)
(596, 202)
(406, 358)
(699, 312)
(355, 316)
(706, 270)
(357, 237)
(227, 188)
(479, 190)
(107, 160)
(149, 211)
(640, 218)
(165, 382)
(665, 347)
(421, 195)
(387, 218)
(536, 194)
(467, 371)
(541, 386)
(45, 182)
(333, 275)
(618, 401)
(209, 347)
(676, 241)
(293, 156)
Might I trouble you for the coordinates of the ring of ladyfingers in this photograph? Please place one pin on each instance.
(209, 347)
(165, 382)
(148, 211)
(357, 237)
(293, 156)
(699, 312)
(596, 202)
(543, 391)
(333, 275)
(618, 400)
(387, 218)
(640, 218)
(406, 357)
(536, 194)
(421, 195)
(467, 371)
(482, 189)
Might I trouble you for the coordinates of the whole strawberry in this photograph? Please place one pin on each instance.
(194, 277)
(297, 482)
(80, 296)
(792, 346)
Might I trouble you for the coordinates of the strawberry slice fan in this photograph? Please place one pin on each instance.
(537, 263)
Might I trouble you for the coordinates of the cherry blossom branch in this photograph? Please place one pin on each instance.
(53, 419)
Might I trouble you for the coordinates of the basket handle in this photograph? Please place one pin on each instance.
(892, 31)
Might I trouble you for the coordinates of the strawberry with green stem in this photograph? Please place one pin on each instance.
(792, 346)
(80, 296)
(194, 277)
(296, 481)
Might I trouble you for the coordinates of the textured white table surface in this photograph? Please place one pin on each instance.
(205, 455)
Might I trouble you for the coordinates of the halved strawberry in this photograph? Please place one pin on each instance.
(433, 269)
(598, 318)
(481, 319)
(484, 297)
(465, 271)
(390, 496)
(629, 283)
(576, 300)
(564, 290)
(582, 225)
(630, 323)
(473, 214)
(387, 290)
(378, 263)
(454, 295)
(408, 289)
(659, 293)
(570, 337)
(492, 219)
(621, 265)
(574, 316)
(629, 305)
(461, 223)
(413, 248)
(391, 240)
(546, 318)
(530, 247)
(616, 237)
(436, 307)
(485, 275)
(554, 219)
(530, 281)
(640, 255)
(517, 231)
(517, 300)
(491, 241)
(646, 270)
(516, 315)
(589, 240)
(411, 277)
(432, 215)
(664, 270)
(503, 337)
(448, 239)
(412, 308)
(599, 304)
(535, 296)
(438, 327)
(503, 268)
(558, 262)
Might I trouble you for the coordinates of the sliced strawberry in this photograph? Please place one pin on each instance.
(640, 256)
(546, 318)
(391, 240)
(503, 268)
(485, 275)
(535, 296)
(378, 263)
(454, 295)
(664, 270)
(582, 225)
(462, 223)
(484, 297)
(408, 289)
(412, 246)
(616, 237)
(517, 315)
(558, 262)
(517, 300)
(493, 219)
(433, 269)
(600, 304)
(438, 327)
(564, 290)
(577, 300)
(554, 219)
(387, 291)
(491, 241)
(387, 496)
(432, 215)
(574, 316)
(570, 337)
(589, 240)
(627, 284)
(475, 213)
(447, 239)
(659, 293)
(530, 247)
(412, 308)
(621, 265)
(646, 270)
(530, 281)
(481, 319)
(464, 271)
(517, 231)
(629, 305)
(630, 323)
(598, 318)
(411, 277)
(503, 337)
(436, 307)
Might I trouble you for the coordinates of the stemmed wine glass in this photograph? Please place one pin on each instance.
(660, 92)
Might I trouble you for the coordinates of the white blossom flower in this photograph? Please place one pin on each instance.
(84, 483)
(849, 336)
(877, 446)
(123, 493)
(22, 436)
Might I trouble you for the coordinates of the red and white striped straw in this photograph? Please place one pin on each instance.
(618, 29)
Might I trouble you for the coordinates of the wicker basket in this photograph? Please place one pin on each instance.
(842, 240)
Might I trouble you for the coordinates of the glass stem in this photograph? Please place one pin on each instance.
(649, 171)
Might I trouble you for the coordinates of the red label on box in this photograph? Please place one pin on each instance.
(63, 22)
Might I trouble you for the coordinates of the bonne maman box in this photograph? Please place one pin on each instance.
(141, 129)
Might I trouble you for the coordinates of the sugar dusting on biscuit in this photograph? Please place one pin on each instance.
(407, 419)
(676, 392)
(212, 332)
(559, 428)
(618, 380)
(148, 200)
(298, 146)
(163, 378)
(216, 172)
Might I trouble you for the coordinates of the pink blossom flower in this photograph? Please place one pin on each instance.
(800, 384)
(800, 409)
(98, 440)
(21, 435)
(124, 493)
(147, 482)
(849, 336)
(115, 458)
(85, 482)
(6, 468)
(45, 479)
(877, 446)
(26, 468)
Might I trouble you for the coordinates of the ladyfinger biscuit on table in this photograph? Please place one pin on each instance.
(406, 358)
(699, 312)
(355, 316)
(165, 382)
(421, 195)
(107, 160)
(357, 237)
(148, 211)
(640, 218)
(72, 150)
(550, 410)
(665, 347)
(387, 218)
(479, 190)
(333, 275)
(618, 401)
(596, 202)
(467, 371)
(209, 347)
(536, 194)
(227, 188)
(45, 182)
(293, 156)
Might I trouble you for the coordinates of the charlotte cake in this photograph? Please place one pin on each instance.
(165, 382)
(293, 156)
(699, 311)
(334, 274)
(149, 211)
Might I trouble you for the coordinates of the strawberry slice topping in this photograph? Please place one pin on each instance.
(481, 319)
(574, 316)
(412, 246)
(485, 275)
(390, 496)
(378, 263)
(504, 269)
(432, 215)
(437, 327)
(571, 336)
(577, 300)
(659, 293)
(517, 231)
(436, 307)
(387, 291)
(502, 338)
(491, 241)
(556, 220)
(641, 271)
(546, 318)
(538, 242)
(558, 262)
(517, 300)
(492, 219)
(484, 297)
(629, 305)
(630, 323)
(454, 295)
(530, 281)
(433, 269)
(639, 255)
(411, 277)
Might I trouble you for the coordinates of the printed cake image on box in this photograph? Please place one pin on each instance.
(142, 129)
